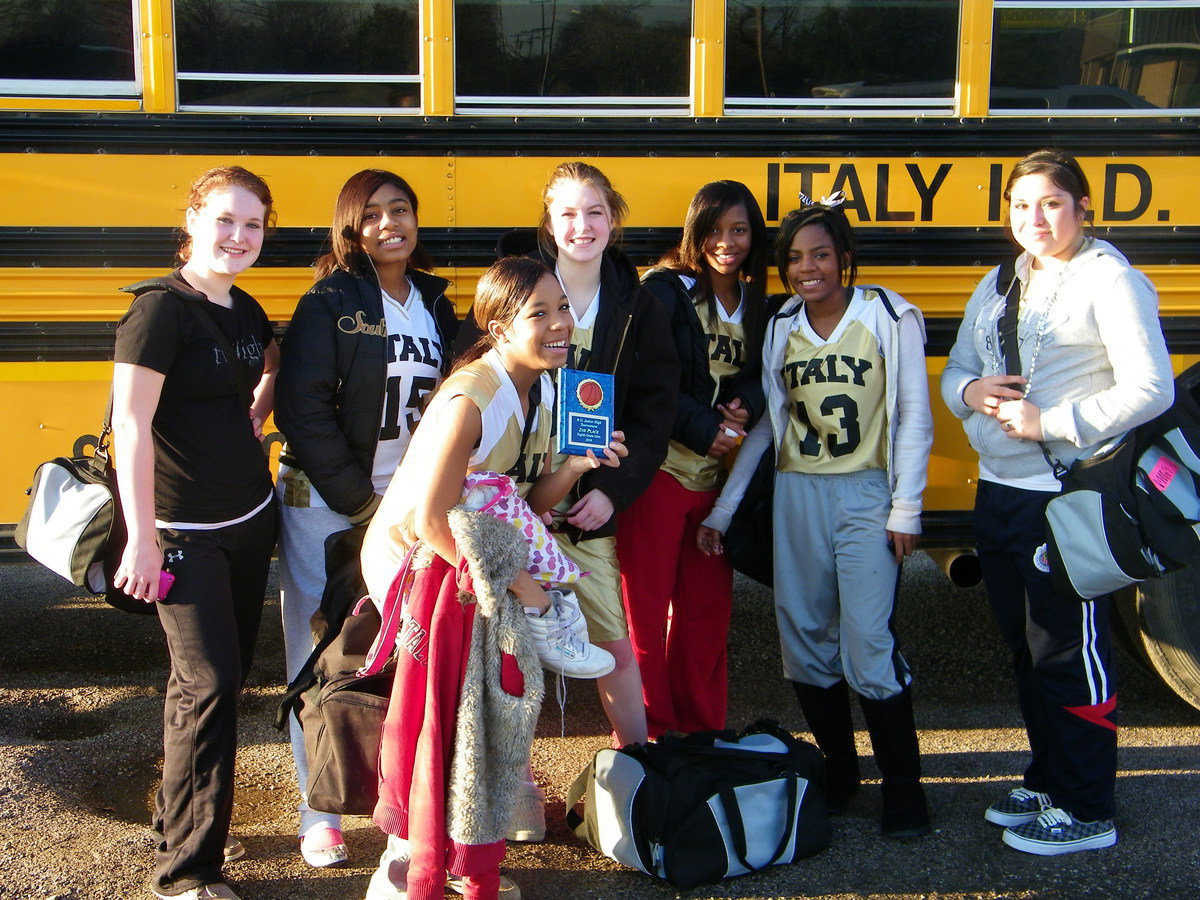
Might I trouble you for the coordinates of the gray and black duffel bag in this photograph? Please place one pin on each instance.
(697, 808)
(1131, 510)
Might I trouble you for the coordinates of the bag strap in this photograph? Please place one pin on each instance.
(224, 345)
(393, 612)
(535, 402)
(1010, 350)
(305, 680)
(737, 827)
(574, 794)
(101, 452)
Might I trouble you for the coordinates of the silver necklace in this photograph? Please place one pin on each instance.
(1039, 333)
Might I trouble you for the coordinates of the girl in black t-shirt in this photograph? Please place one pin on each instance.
(192, 385)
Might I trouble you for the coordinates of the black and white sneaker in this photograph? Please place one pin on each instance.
(1056, 831)
(1021, 805)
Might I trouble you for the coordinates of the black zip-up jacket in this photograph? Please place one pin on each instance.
(632, 340)
(696, 419)
(332, 375)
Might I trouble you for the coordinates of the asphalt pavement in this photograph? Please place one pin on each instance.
(80, 695)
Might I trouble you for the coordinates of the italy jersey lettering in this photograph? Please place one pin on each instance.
(726, 356)
(835, 391)
(414, 359)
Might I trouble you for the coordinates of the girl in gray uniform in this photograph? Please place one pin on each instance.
(848, 411)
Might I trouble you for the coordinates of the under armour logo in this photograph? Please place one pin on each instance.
(174, 556)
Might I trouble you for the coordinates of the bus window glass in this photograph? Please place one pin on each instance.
(548, 56)
(80, 48)
(834, 54)
(1139, 60)
(298, 54)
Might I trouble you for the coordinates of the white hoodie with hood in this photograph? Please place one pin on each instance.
(1102, 366)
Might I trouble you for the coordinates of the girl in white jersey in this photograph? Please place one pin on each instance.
(366, 346)
(493, 413)
(848, 411)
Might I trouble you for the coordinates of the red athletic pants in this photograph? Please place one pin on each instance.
(678, 602)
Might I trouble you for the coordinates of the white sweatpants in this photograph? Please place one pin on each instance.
(301, 583)
(835, 582)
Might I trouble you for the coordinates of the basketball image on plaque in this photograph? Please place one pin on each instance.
(585, 412)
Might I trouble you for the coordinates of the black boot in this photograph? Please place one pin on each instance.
(827, 711)
(894, 738)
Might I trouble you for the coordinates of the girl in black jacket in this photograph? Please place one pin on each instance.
(365, 346)
(678, 600)
(619, 328)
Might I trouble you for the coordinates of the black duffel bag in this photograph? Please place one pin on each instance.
(697, 808)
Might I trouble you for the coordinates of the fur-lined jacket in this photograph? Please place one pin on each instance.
(464, 705)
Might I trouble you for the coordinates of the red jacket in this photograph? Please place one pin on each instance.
(432, 649)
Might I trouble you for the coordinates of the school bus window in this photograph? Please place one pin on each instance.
(834, 54)
(309, 55)
(1140, 60)
(546, 56)
(68, 48)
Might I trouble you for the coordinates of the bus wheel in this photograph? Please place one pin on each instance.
(1160, 619)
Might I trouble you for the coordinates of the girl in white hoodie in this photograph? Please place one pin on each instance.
(1054, 356)
(848, 411)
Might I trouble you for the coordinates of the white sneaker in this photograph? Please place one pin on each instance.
(508, 887)
(570, 613)
(323, 846)
(391, 871)
(561, 650)
(528, 822)
(220, 891)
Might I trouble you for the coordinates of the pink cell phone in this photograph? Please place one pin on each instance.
(165, 580)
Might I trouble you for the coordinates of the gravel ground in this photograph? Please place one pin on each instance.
(80, 715)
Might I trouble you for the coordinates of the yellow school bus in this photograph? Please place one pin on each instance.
(914, 108)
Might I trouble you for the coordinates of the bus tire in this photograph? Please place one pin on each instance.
(1161, 619)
